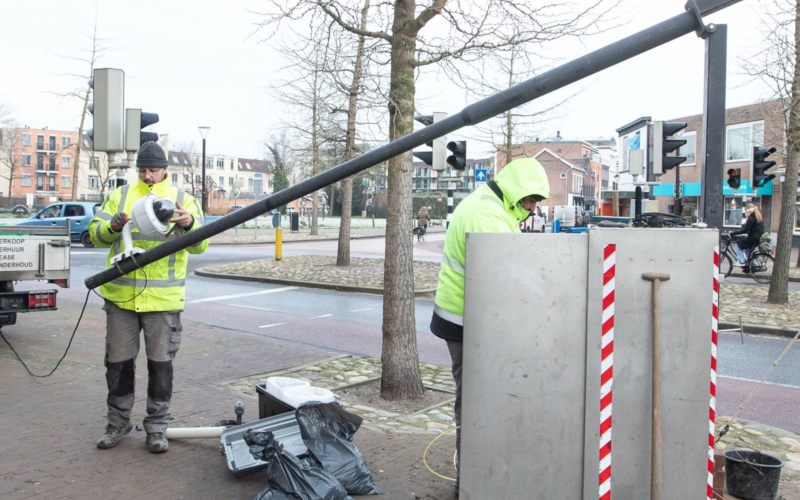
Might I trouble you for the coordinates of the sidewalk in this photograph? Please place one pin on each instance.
(51, 425)
(266, 234)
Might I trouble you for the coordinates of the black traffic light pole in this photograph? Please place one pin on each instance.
(713, 154)
(473, 114)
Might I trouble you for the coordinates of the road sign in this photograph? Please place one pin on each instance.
(480, 175)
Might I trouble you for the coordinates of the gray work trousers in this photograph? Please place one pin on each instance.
(162, 338)
(457, 356)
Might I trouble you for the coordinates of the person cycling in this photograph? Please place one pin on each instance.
(753, 228)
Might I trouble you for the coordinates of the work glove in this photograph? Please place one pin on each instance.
(118, 221)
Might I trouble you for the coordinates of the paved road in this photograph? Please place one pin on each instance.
(352, 322)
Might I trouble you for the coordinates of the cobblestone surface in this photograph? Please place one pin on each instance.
(771, 440)
(323, 269)
(750, 302)
(340, 373)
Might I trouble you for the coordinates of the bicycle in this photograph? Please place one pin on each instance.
(759, 264)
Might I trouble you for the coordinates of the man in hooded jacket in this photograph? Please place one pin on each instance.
(149, 300)
(498, 207)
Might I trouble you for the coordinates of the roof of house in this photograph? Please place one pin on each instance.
(257, 166)
(557, 157)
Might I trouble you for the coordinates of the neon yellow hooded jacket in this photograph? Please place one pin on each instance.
(162, 283)
(484, 212)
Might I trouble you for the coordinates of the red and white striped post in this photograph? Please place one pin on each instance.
(713, 399)
(607, 369)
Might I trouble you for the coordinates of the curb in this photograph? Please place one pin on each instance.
(362, 237)
(759, 329)
(305, 284)
(792, 279)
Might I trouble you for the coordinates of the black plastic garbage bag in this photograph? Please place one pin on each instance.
(289, 477)
(327, 430)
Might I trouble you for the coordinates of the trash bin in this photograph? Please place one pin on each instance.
(276, 220)
(295, 226)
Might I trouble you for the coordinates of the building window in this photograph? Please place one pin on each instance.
(230, 181)
(270, 183)
(25, 180)
(52, 162)
(94, 182)
(95, 161)
(174, 177)
(231, 164)
(688, 150)
(39, 182)
(220, 163)
(198, 178)
(66, 141)
(39, 161)
(250, 184)
(65, 161)
(26, 159)
(53, 186)
(741, 139)
(734, 209)
(65, 181)
(40, 142)
(52, 142)
(26, 139)
(111, 183)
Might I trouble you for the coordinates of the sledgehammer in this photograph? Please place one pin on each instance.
(655, 450)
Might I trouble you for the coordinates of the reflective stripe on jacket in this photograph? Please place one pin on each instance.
(160, 285)
(484, 212)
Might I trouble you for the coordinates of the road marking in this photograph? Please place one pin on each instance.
(250, 307)
(270, 326)
(225, 297)
(323, 316)
(359, 310)
(756, 381)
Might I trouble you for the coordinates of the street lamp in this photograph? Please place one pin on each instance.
(204, 132)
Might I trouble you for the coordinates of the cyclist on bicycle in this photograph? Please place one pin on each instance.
(753, 228)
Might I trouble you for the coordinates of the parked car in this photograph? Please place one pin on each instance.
(78, 213)
(533, 224)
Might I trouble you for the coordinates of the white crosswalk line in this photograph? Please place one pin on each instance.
(270, 326)
(359, 310)
(323, 316)
(225, 297)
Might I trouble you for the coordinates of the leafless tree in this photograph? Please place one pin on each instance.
(475, 28)
(777, 63)
(10, 144)
(87, 58)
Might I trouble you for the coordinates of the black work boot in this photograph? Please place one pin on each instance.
(112, 437)
(157, 443)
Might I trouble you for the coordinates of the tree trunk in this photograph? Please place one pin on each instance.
(76, 166)
(779, 286)
(343, 250)
(401, 376)
(314, 148)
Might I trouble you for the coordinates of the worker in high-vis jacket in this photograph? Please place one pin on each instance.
(148, 300)
(497, 207)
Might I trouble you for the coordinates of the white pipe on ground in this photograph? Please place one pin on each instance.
(193, 432)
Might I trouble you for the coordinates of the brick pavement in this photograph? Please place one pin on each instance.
(50, 425)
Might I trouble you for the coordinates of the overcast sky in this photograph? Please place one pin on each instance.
(198, 63)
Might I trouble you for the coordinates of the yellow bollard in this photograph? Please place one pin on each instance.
(278, 243)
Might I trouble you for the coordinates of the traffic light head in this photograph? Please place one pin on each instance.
(761, 165)
(435, 158)
(135, 121)
(457, 160)
(661, 146)
(734, 178)
(107, 109)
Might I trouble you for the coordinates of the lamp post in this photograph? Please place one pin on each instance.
(204, 132)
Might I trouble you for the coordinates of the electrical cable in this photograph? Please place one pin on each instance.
(72, 337)
(425, 453)
(65, 352)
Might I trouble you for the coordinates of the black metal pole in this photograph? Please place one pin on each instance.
(713, 155)
(677, 204)
(637, 205)
(473, 114)
(203, 183)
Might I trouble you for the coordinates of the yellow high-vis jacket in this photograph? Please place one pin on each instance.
(162, 283)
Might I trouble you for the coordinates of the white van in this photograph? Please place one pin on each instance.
(569, 215)
(535, 223)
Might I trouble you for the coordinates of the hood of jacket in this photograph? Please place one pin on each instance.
(521, 178)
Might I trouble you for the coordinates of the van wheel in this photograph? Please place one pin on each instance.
(86, 240)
